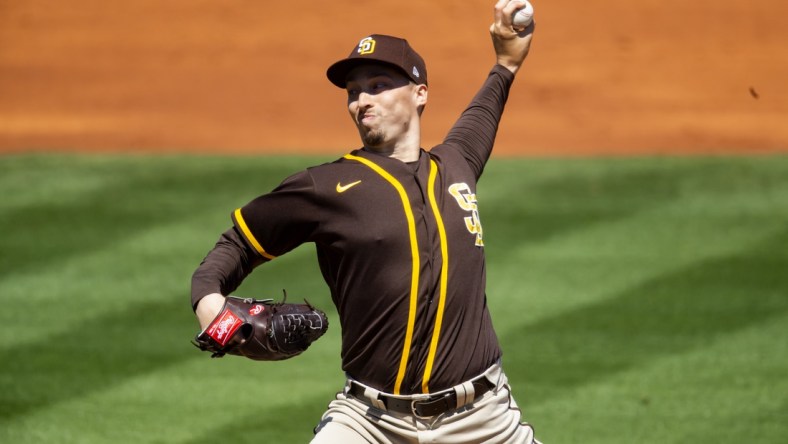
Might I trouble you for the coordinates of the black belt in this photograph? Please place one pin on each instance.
(432, 406)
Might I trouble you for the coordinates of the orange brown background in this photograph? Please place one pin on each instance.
(241, 76)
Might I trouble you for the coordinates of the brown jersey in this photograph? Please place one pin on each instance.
(401, 248)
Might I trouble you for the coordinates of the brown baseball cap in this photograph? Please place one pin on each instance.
(379, 48)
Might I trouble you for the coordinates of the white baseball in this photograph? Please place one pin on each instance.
(523, 17)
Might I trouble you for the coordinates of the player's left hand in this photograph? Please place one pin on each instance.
(511, 44)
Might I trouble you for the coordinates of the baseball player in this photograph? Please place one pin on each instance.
(400, 244)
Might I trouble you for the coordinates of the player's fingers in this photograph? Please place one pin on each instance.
(498, 10)
(513, 5)
(504, 11)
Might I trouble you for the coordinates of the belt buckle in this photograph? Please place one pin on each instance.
(413, 407)
(414, 411)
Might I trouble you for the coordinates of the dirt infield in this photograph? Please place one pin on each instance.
(610, 76)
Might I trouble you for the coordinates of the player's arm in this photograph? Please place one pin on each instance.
(268, 226)
(474, 132)
(473, 135)
(220, 273)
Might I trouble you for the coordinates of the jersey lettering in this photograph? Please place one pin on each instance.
(467, 200)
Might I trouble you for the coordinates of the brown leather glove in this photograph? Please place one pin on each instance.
(261, 329)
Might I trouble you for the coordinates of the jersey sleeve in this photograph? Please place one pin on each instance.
(277, 222)
(474, 132)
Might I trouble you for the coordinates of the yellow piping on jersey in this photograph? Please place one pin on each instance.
(414, 251)
(443, 282)
(239, 219)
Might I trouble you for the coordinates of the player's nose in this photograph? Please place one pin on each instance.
(364, 99)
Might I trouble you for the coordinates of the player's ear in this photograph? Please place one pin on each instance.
(421, 95)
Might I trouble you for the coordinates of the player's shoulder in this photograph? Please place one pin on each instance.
(449, 156)
(444, 152)
(306, 177)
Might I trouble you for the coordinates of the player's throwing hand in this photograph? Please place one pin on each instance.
(511, 45)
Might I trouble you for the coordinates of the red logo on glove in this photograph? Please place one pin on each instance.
(256, 310)
(224, 327)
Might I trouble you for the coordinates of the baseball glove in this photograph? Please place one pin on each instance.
(261, 329)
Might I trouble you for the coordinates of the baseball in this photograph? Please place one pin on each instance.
(523, 17)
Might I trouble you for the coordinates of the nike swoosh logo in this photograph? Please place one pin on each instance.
(343, 188)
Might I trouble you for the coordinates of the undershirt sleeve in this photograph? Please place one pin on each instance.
(225, 267)
(474, 132)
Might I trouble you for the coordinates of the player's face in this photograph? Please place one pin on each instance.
(384, 104)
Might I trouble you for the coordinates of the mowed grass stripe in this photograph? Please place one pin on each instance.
(191, 401)
(675, 312)
(95, 354)
(144, 235)
(533, 381)
(705, 282)
(716, 207)
(138, 194)
(730, 388)
(116, 318)
(533, 200)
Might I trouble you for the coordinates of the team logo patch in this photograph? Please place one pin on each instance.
(366, 46)
(466, 199)
(256, 310)
(416, 72)
(223, 328)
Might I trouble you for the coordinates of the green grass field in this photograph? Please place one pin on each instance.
(638, 300)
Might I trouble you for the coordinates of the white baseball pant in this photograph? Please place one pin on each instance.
(494, 418)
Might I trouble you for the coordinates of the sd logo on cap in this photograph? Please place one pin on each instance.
(379, 48)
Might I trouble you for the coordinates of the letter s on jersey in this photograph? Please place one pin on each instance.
(467, 201)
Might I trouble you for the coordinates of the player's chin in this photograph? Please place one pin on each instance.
(372, 137)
